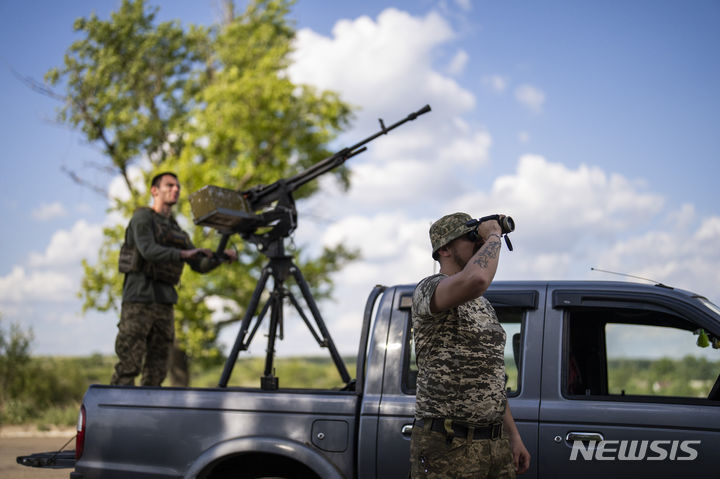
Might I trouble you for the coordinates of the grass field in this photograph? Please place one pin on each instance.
(47, 391)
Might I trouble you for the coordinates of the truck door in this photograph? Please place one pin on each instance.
(627, 390)
(523, 322)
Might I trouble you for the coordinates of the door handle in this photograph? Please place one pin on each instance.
(406, 429)
(584, 437)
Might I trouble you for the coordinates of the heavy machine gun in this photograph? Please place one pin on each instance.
(266, 215)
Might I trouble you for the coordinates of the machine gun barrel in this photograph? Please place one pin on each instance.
(231, 211)
(264, 195)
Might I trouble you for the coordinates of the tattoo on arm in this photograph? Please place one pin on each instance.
(488, 251)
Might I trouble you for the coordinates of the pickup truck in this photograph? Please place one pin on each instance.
(604, 379)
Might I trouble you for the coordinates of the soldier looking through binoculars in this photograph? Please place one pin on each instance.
(461, 397)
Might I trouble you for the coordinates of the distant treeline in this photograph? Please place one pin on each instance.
(47, 391)
(687, 377)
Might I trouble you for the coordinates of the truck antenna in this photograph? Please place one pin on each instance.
(657, 283)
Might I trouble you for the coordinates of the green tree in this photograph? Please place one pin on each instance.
(214, 105)
(14, 357)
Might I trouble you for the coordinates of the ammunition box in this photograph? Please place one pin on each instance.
(220, 208)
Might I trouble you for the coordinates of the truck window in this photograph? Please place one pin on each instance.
(511, 320)
(638, 355)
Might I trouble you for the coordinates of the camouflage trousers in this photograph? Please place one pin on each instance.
(145, 336)
(433, 457)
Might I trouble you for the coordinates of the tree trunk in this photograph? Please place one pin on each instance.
(179, 367)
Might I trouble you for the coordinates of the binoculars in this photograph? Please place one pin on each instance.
(507, 225)
(506, 222)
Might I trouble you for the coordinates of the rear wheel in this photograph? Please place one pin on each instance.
(261, 466)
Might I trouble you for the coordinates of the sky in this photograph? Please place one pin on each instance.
(593, 124)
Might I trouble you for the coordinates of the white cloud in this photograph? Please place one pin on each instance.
(222, 308)
(470, 150)
(49, 211)
(683, 257)
(560, 205)
(20, 286)
(83, 208)
(564, 216)
(683, 217)
(53, 275)
(496, 83)
(390, 75)
(567, 217)
(531, 97)
(568, 220)
(465, 5)
(70, 318)
(382, 237)
(384, 64)
(458, 62)
(391, 178)
(118, 188)
(709, 231)
(69, 247)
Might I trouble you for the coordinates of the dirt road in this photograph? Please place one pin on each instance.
(17, 444)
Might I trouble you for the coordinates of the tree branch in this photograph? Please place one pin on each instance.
(37, 86)
(225, 322)
(74, 176)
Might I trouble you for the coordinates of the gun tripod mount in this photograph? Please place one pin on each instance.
(280, 266)
(265, 215)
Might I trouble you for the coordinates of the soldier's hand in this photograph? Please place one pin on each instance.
(231, 255)
(189, 253)
(487, 228)
(521, 456)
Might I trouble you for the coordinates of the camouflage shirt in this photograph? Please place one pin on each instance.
(460, 358)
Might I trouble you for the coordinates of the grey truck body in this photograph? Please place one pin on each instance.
(560, 399)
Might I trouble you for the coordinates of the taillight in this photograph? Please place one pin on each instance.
(80, 438)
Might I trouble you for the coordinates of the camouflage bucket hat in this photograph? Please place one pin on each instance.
(447, 229)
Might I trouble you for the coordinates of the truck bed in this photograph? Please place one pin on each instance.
(204, 424)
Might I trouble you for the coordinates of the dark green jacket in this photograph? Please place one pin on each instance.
(140, 233)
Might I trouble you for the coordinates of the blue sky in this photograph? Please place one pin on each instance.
(593, 124)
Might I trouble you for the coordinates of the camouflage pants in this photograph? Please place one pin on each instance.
(145, 336)
(432, 457)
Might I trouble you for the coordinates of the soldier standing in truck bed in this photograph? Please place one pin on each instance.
(152, 259)
(463, 425)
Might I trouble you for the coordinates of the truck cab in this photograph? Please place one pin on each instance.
(590, 383)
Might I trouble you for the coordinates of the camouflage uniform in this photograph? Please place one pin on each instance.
(150, 259)
(433, 457)
(145, 331)
(461, 378)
